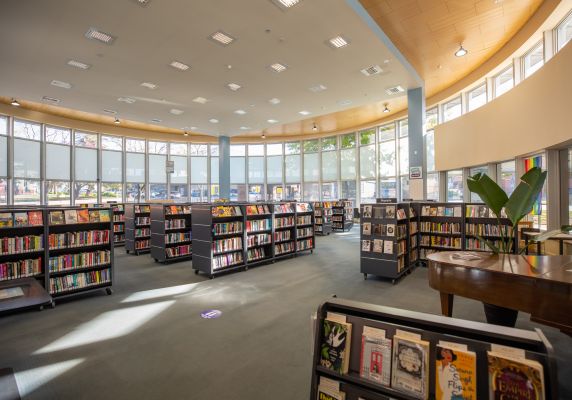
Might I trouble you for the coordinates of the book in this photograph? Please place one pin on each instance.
(388, 247)
(6, 219)
(20, 219)
(377, 229)
(366, 229)
(514, 378)
(390, 230)
(377, 246)
(328, 389)
(378, 212)
(457, 211)
(455, 373)
(35, 218)
(375, 357)
(366, 245)
(390, 212)
(56, 217)
(367, 210)
(70, 216)
(440, 211)
(94, 216)
(410, 367)
(425, 211)
(401, 213)
(83, 215)
(335, 348)
(449, 212)
(104, 216)
(483, 212)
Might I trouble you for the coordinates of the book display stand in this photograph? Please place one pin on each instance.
(323, 217)
(343, 215)
(118, 223)
(171, 236)
(137, 228)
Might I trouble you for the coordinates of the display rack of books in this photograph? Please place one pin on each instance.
(118, 210)
(386, 243)
(80, 250)
(171, 235)
(342, 215)
(284, 229)
(440, 227)
(480, 223)
(258, 233)
(366, 351)
(305, 239)
(323, 217)
(137, 228)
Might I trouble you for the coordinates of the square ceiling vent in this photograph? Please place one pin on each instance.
(394, 90)
(373, 70)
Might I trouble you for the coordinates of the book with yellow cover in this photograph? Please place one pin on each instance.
(514, 378)
(455, 374)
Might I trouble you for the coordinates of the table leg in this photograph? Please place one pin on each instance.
(525, 244)
(561, 245)
(446, 304)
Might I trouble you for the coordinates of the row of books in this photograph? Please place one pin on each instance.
(441, 241)
(119, 238)
(78, 239)
(304, 220)
(229, 244)
(117, 208)
(255, 254)
(67, 283)
(477, 244)
(226, 211)
(227, 260)
(283, 208)
(178, 251)
(20, 269)
(380, 212)
(142, 244)
(142, 232)
(119, 218)
(283, 248)
(480, 211)
(343, 203)
(321, 220)
(303, 207)
(174, 209)
(119, 228)
(80, 260)
(259, 239)
(402, 362)
(487, 230)
(79, 216)
(178, 237)
(378, 246)
(142, 209)
(384, 229)
(338, 224)
(21, 244)
(305, 244)
(226, 228)
(257, 209)
(142, 221)
(441, 227)
(304, 232)
(257, 225)
(441, 211)
(175, 223)
(323, 212)
(21, 218)
(282, 236)
(284, 222)
(413, 227)
(338, 218)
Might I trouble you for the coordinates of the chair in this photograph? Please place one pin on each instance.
(527, 244)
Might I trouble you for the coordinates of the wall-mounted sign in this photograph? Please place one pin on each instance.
(415, 172)
(170, 167)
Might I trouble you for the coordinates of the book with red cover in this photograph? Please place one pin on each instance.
(83, 215)
(35, 218)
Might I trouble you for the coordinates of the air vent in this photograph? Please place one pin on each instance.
(112, 112)
(176, 111)
(156, 120)
(50, 100)
(61, 84)
(373, 70)
(127, 100)
(142, 3)
(318, 88)
(285, 4)
(394, 90)
(95, 34)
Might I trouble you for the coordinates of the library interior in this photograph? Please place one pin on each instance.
(286, 199)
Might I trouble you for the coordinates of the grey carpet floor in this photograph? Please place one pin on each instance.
(148, 341)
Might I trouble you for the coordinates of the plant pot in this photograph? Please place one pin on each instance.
(502, 316)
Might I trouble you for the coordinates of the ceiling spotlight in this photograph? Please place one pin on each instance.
(385, 110)
(263, 136)
(461, 52)
(315, 128)
(15, 103)
(117, 121)
(186, 133)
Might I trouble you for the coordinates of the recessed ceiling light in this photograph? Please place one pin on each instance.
(240, 112)
(213, 121)
(112, 112)
(52, 100)
(186, 133)
(156, 120)
(61, 84)
(373, 70)
(15, 103)
(200, 100)
(142, 3)
(314, 128)
(338, 42)
(78, 64)
(176, 111)
(127, 100)
(245, 128)
(277, 67)
(284, 4)
(263, 136)
(304, 112)
(233, 86)
(272, 121)
(179, 65)
(317, 88)
(95, 34)
(117, 121)
(461, 52)
(222, 38)
(149, 85)
(274, 101)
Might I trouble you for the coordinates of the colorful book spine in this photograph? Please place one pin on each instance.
(142, 221)
(304, 220)
(21, 244)
(227, 260)
(68, 262)
(282, 236)
(77, 239)
(283, 248)
(259, 240)
(284, 222)
(441, 227)
(175, 223)
(258, 225)
(304, 232)
(229, 244)
(143, 232)
(142, 244)
(178, 237)
(256, 254)
(71, 282)
(178, 251)
(226, 228)
(20, 269)
(305, 244)
(118, 228)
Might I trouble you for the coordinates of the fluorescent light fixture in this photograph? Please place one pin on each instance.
(461, 52)
(78, 64)
(127, 100)
(240, 112)
(156, 120)
(96, 34)
(277, 67)
(274, 101)
(272, 121)
(304, 112)
(108, 111)
(15, 103)
(179, 65)
(149, 85)
(51, 99)
(61, 84)
(176, 111)
(222, 38)
(233, 86)
(338, 42)
(200, 100)
(317, 88)
(245, 128)
(213, 121)
(285, 4)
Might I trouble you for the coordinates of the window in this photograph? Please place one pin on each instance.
(179, 149)
(27, 130)
(111, 166)
(329, 165)
(367, 191)
(403, 128)
(477, 97)
(111, 192)
(539, 214)
(311, 167)
(388, 188)
(3, 125)
(85, 193)
(367, 165)
(157, 147)
(348, 164)
(329, 143)
(430, 150)
(349, 190)
(214, 171)
(237, 171)
(475, 198)
(111, 143)
(452, 109)
(84, 139)
(533, 60)
(404, 156)
(274, 164)
(157, 191)
(199, 193)
(504, 81)
(256, 150)
(26, 192)
(214, 150)
(180, 174)
(506, 176)
(256, 169)
(134, 168)
(199, 149)
(348, 141)
(311, 146)
(157, 169)
(564, 32)
(58, 193)
(256, 193)
(135, 192)
(135, 145)
(3, 191)
(86, 169)
(26, 159)
(179, 192)
(274, 149)
(404, 186)
(292, 148)
(455, 186)
(215, 192)
(431, 118)
(58, 135)
(292, 192)
(237, 192)
(292, 168)
(433, 186)
(275, 192)
(311, 192)
(330, 191)
(58, 153)
(199, 173)
(236, 150)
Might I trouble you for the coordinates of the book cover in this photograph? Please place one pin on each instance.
(56, 217)
(367, 210)
(366, 228)
(514, 379)
(375, 356)
(401, 213)
(377, 229)
(456, 374)
(329, 389)
(449, 212)
(366, 245)
(187, 209)
(6, 219)
(104, 216)
(390, 230)
(94, 216)
(440, 211)
(390, 212)
(410, 366)
(21, 219)
(426, 211)
(457, 212)
(433, 212)
(483, 212)
(70, 216)
(335, 350)
(388, 247)
(377, 246)
(83, 215)
(35, 218)
(378, 212)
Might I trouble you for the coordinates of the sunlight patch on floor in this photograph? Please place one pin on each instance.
(162, 292)
(31, 379)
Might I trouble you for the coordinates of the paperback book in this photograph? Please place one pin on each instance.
(375, 356)
(367, 210)
(104, 216)
(514, 378)
(328, 389)
(35, 218)
(390, 230)
(366, 229)
(82, 215)
(455, 373)
(335, 349)
(377, 246)
(56, 217)
(410, 366)
(366, 245)
(390, 212)
(94, 216)
(21, 219)
(70, 216)
(378, 212)
(6, 220)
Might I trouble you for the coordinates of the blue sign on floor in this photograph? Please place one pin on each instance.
(210, 314)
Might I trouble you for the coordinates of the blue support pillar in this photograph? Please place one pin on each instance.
(416, 122)
(224, 167)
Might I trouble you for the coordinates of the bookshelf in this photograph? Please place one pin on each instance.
(425, 332)
(171, 237)
(388, 247)
(342, 215)
(440, 227)
(80, 250)
(480, 221)
(137, 228)
(118, 223)
(259, 228)
(284, 229)
(305, 238)
(323, 217)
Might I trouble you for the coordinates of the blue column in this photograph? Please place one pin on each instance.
(224, 167)
(416, 121)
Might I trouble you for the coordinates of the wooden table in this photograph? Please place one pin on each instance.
(560, 237)
(538, 285)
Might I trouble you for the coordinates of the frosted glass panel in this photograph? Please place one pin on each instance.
(237, 174)
(214, 169)
(57, 162)
(135, 168)
(3, 156)
(367, 161)
(292, 165)
(348, 164)
(329, 166)
(157, 168)
(26, 159)
(199, 170)
(180, 174)
(255, 169)
(274, 169)
(311, 168)
(111, 168)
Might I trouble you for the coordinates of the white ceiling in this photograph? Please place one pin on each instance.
(40, 36)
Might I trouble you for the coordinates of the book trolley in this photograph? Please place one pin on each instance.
(137, 228)
(171, 236)
(118, 223)
(343, 215)
(284, 229)
(414, 344)
(323, 217)
(259, 224)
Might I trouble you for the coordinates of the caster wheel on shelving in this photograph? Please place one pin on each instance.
(196, 271)
(127, 251)
(365, 277)
(393, 281)
(311, 251)
(211, 277)
(109, 291)
(41, 308)
(156, 260)
(53, 304)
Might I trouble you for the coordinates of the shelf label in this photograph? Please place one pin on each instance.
(211, 314)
